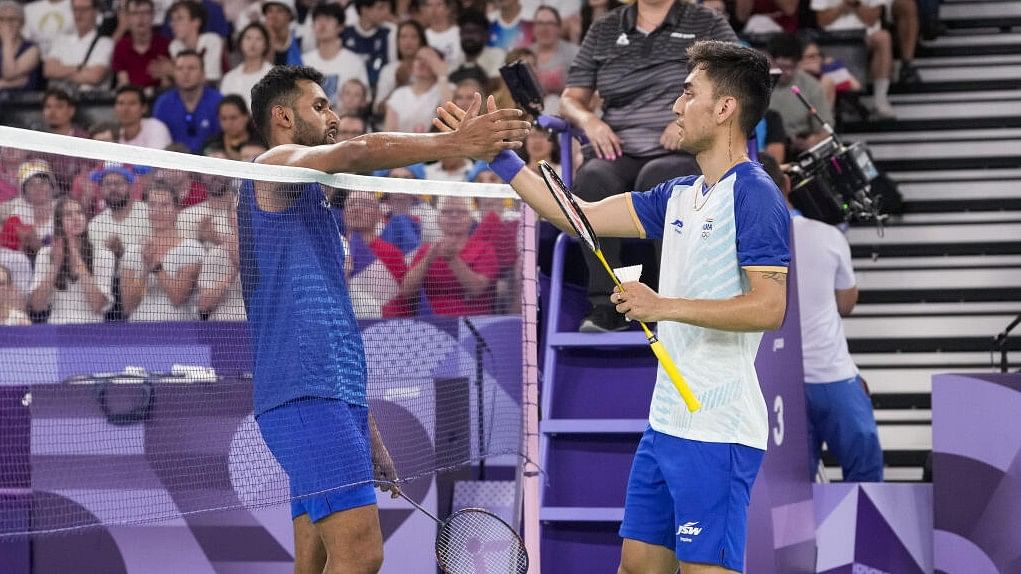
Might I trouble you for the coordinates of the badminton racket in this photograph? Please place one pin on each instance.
(576, 217)
(476, 541)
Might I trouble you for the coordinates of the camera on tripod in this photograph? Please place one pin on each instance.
(833, 182)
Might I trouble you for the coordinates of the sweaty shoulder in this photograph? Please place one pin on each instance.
(761, 218)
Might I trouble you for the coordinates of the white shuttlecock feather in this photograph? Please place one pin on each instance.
(628, 274)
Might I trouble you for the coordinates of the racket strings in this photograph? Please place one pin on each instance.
(476, 542)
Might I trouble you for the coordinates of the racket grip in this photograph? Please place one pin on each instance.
(675, 376)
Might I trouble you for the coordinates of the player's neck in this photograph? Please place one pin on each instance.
(725, 153)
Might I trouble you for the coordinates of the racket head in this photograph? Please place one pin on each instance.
(476, 541)
(568, 206)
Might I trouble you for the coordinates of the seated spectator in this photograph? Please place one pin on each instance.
(285, 44)
(441, 31)
(187, 18)
(449, 169)
(255, 63)
(907, 22)
(804, 131)
(125, 222)
(540, 145)
(499, 227)
(59, 111)
(237, 129)
(189, 191)
(20, 58)
(189, 110)
(337, 64)
(80, 60)
(73, 279)
(510, 27)
(410, 39)
(353, 98)
(130, 107)
(19, 267)
(412, 107)
(158, 278)
(372, 36)
(591, 11)
(459, 271)
(12, 313)
(84, 189)
(211, 222)
(553, 56)
(832, 74)
(45, 20)
(766, 16)
(141, 57)
(351, 126)
(219, 283)
(377, 267)
(836, 15)
(30, 224)
(481, 62)
(404, 221)
(11, 159)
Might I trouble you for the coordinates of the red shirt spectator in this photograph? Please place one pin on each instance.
(443, 289)
(138, 64)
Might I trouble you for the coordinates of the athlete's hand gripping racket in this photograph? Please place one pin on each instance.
(475, 541)
(576, 217)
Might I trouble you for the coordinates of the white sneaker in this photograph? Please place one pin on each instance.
(884, 111)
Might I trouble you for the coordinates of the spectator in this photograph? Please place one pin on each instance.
(411, 108)
(19, 58)
(59, 111)
(441, 29)
(459, 271)
(329, 57)
(396, 74)
(377, 267)
(591, 11)
(187, 18)
(189, 110)
(285, 44)
(255, 63)
(833, 75)
(19, 266)
(130, 107)
(449, 169)
(237, 129)
(836, 15)
(540, 145)
(12, 312)
(510, 27)
(73, 279)
(219, 284)
(771, 137)
(142, 56)
(372, 36)
(404, 223)
(351, 126)
(211, 222)
(30, 224)
(905, 18)
(481, 62)
(464, 92)
(189, 191)
(636, 142)
(353, 98)
(497, 226)
(158, 278)
(11, 159)
(553, 55)
(125, 222)
(767, 16)
(84, 189)
(804, 131)
(81, 59)
(45, 20)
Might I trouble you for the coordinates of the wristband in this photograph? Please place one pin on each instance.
(506, 164)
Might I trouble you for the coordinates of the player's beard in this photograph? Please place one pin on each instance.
(305, 134)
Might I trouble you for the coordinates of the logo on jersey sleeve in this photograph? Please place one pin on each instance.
(688, 530)
(678, 226)
(707, 228)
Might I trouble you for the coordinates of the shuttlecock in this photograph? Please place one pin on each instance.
(628, 274)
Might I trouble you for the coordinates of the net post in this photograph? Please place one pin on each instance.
(531, 479)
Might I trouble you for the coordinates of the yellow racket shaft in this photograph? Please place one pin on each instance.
(659, 350)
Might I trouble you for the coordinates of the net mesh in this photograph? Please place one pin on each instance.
(185, 334)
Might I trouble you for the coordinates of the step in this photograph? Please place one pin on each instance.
(958, 218)
(934, 309)
(581, 514)
(911, 380)
(975, 326)
(935, 234)
(972, 42)
(622, 339)
(593, 426)
(992, 111)
(991, 174)
(944, 362)
(981, 14)
(928, 263)
(960, 191)
(946, 150)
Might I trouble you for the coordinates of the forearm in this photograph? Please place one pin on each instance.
(132, 291)
(533, 191)
(575, 110)
(744, 313)
(368, 152)
(826, 17)
(91, 76)
(177, 286)
(209, 299)
(96, 299)
(54, 69)
(415, 277)
(869, 15)
(39, 300)
(474, 284)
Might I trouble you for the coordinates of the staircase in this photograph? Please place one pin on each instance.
(945, 277)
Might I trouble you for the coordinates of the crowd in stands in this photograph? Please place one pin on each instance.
(85, 241)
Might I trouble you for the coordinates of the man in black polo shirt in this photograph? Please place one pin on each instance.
(635, 57)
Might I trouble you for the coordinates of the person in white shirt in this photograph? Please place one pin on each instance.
(353, 98)
(553, 56)
(839, 408)
(73, 280)
(130, 107)
(45, 20)
(481, 62)
(255, 54)
(441, 29)
(835, 15)
(125, 222)
(12, 310)
(449, 169)
(20, 268)
(187, 17)
(411, 108)
(31, 213)
(158, 278)
(337, 64)
(219, 284)
(81, 58)
(211, 222)
(410, 39)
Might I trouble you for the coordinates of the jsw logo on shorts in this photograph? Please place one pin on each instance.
(689, 529)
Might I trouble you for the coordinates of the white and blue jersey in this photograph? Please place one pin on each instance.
(711, 235)
(305, 339)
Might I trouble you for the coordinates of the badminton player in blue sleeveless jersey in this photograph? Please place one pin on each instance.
(310, 371)
(723, 282)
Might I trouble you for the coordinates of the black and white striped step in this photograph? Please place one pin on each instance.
(972, 42)
(977, 14)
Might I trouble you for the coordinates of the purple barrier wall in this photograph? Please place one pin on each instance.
(976, 469)
(874, 528)
(247, 539)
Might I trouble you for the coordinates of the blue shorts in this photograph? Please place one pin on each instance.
(323, 446)
(691, 497)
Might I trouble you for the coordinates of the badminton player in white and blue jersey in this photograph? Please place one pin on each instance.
(722, 283)
(310, 373)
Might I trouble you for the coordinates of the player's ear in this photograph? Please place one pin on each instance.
(282, 116)
(726, 109)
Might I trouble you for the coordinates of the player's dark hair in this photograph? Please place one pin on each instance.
(738, 72)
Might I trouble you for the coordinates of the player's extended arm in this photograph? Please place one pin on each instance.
(762, 308)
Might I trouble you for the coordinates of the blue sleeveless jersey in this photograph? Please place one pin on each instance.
(305, 339)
